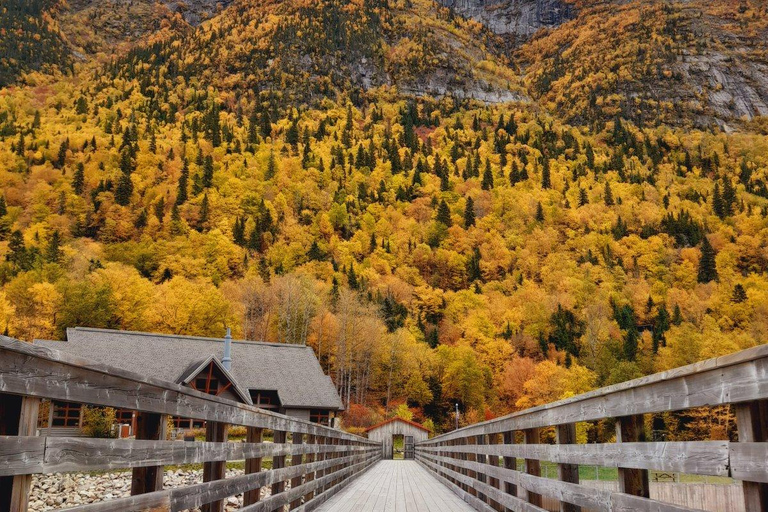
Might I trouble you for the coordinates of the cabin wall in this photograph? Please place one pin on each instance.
(302, 414)
(384, 433)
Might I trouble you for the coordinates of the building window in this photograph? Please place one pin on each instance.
(321, 416)
(208, 385)
(124, 416)
(66, 414)
(265, 399)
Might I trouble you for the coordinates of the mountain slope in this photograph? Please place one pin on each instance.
(30, 39)
(683, 63)
(304, 51)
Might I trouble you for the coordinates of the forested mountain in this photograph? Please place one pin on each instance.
(443, 215)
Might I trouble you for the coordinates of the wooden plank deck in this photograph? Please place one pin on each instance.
(396, 486)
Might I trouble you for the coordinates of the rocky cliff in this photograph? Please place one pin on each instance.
(517, 19)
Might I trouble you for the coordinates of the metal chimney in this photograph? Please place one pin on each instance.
(227, 359)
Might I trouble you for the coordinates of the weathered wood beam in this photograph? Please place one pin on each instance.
(630, 429)
(150, 478)
(510, 463)
(694, 457)
(532, 466)
(566, 434)
(752, 422)
(253, 464)
(18, 417)
(215, 432)
(280, 436)
(296, 460)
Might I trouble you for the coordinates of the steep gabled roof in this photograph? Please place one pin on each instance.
(292, 370)
(199, 366)
(391, 420)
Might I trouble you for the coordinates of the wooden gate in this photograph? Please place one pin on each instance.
(409, 450)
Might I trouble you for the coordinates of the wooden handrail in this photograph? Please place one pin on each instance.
(318, 468)
(479, 461)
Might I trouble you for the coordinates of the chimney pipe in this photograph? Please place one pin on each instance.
(227, 359)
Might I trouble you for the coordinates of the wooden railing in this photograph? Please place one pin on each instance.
(480, 462)
(316, 464)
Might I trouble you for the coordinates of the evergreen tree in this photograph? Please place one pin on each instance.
(539, 212)
(204, 213)
(707, 266)
(473, 266)
(183, 185)
(487, 183)
(78, 179)
(661, 325)
(352, 278)
(718, 206)
(53, 249)
(608, 195)
(3, 207)
(208, 172)
(677, 315)
(469, 213)
(124, 190)
(546, 181)
(444, 214)
(729, 197)
(314, 253)
(739, 294)
(271, 167)
(583, 198)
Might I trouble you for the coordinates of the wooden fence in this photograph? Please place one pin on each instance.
(479, 462)
(316, 463)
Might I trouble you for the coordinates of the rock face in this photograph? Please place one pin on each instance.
(519, 19)
(195, 11)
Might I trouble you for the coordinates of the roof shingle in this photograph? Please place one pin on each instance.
(291, 370)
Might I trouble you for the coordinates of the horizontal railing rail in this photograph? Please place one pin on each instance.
(310, 462)
(480, 462)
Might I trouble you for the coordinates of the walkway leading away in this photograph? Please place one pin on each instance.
(396, 486)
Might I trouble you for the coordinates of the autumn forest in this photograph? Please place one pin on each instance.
(545, 224)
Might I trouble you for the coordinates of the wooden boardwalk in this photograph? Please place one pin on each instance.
(396, 486)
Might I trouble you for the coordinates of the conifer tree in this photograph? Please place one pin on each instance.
(546, 181)
(469, 213)
(539, 212)
(444, 214)
(487, 183)
(608, 196)
(78, 179)
(707, 265)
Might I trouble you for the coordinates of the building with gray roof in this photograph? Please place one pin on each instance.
(284, 378)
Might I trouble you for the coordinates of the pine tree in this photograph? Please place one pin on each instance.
(208, 172)
(583, 198)
(204, 213)
(545, 174)
(444, 214)
(729, 197)
(124, 190)
(352, 278)
(739, 294)
(53, 249)
(271, 167)
(469, 213)
(718, 206)
(608, 195)
(78, 179)
(183, 185)
(314, 253)
(487, 183)
(3, 207)
(539, 212)
(707, 265)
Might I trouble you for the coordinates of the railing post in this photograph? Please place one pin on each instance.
(253, 435)
(480, 459)
(280, 436)
(308, 459)
(566, 434)
(296, 460)
(532, 466)
(154, 427)
(493, 460)
(752, 422)
(630, 429)
(510, 463)
(18, 417)
(215, 432)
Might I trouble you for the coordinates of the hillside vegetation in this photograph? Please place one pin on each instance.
(267, 171)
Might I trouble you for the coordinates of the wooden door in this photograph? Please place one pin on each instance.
(409, 451)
